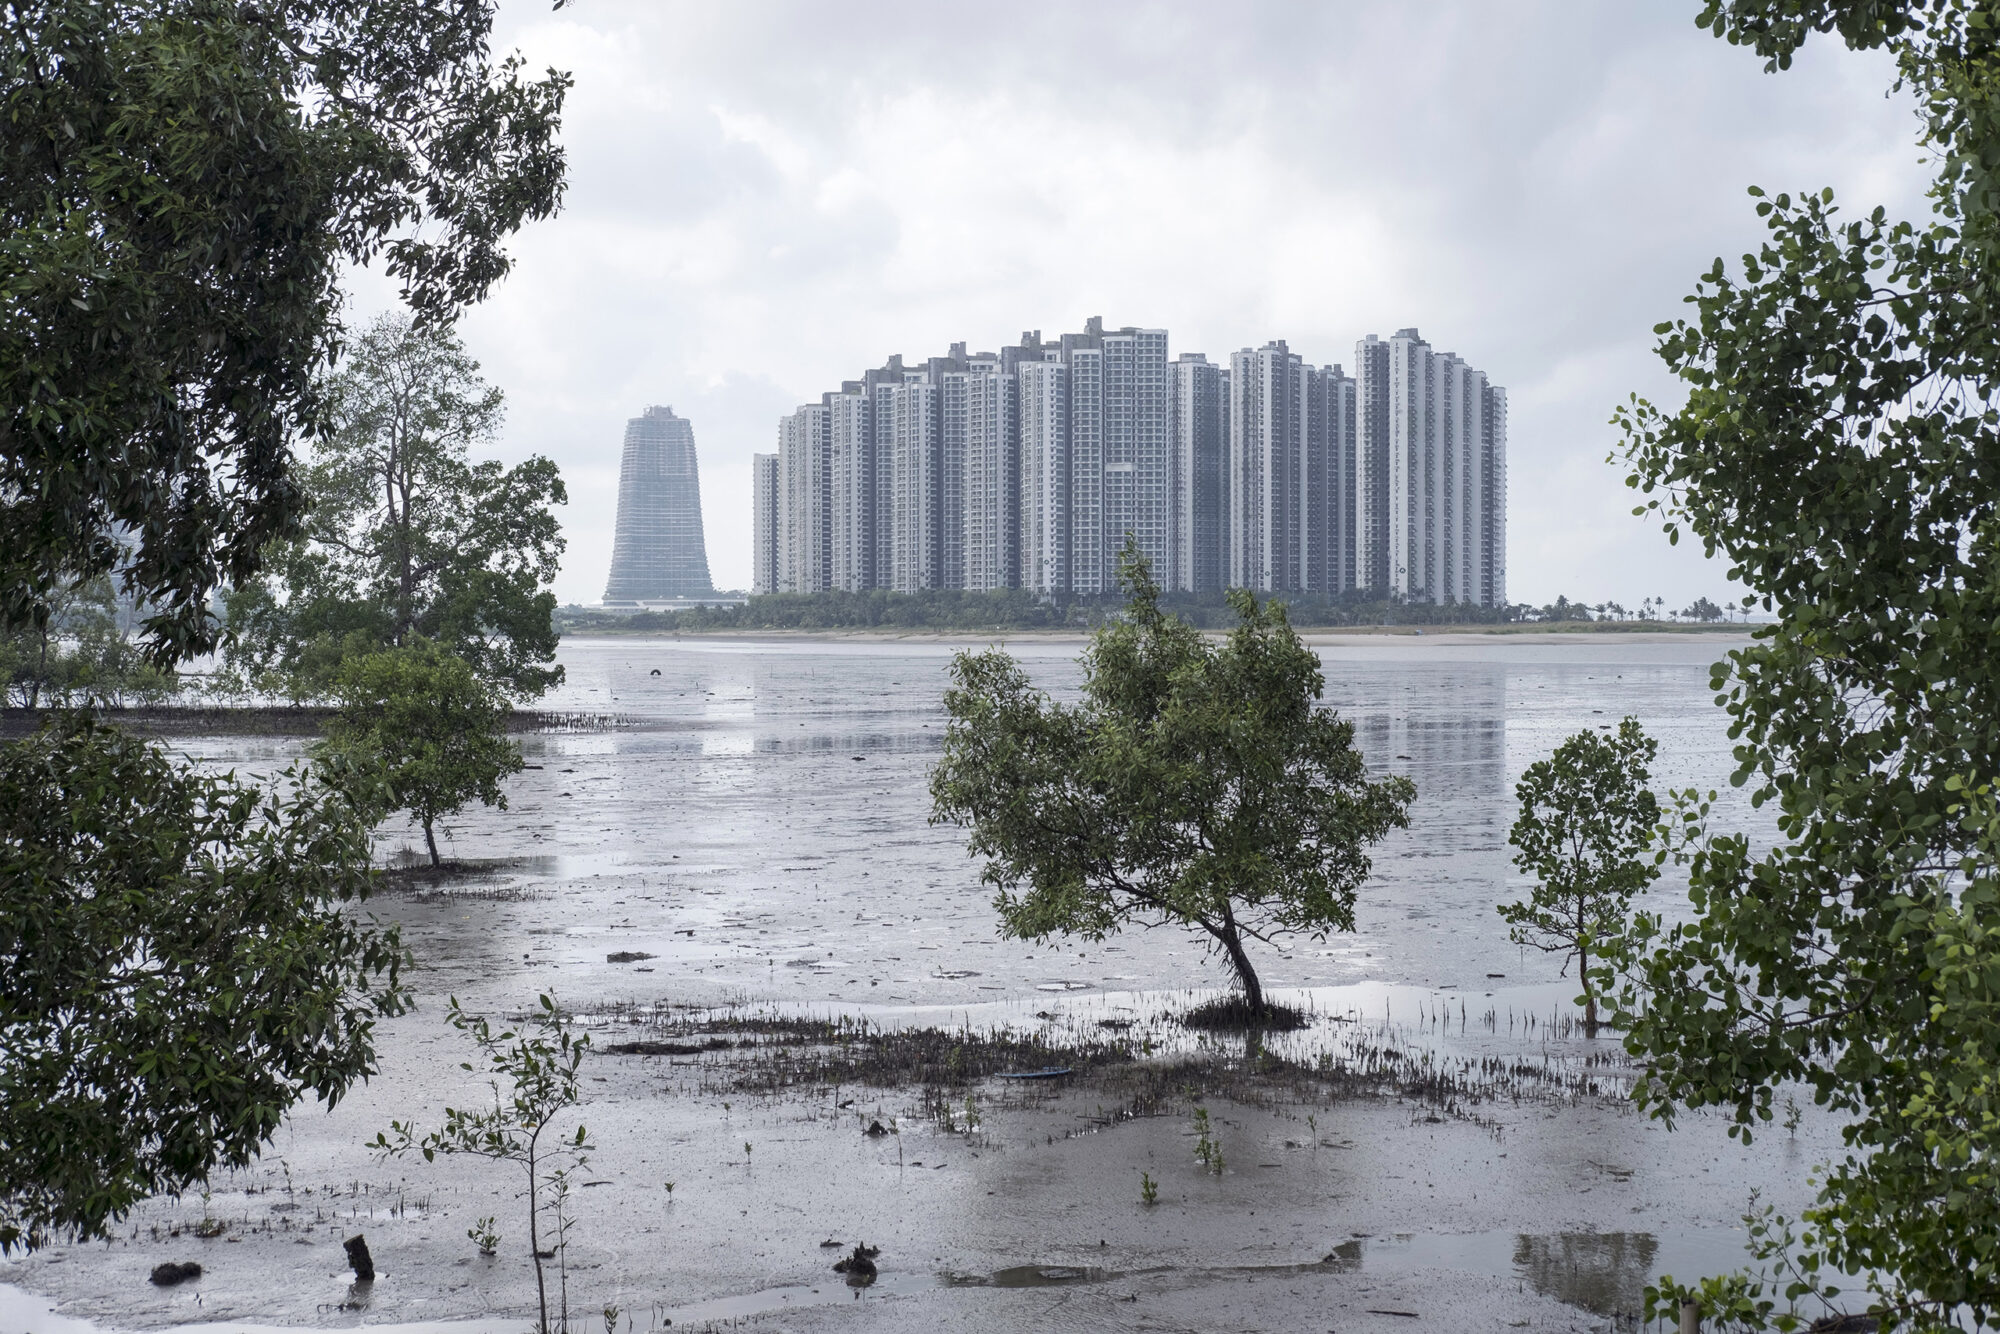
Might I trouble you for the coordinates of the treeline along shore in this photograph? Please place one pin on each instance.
(171, 720)
(1018, 609)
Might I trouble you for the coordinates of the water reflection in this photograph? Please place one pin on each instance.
(1602, 1272)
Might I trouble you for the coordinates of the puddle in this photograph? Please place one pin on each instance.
(794, 1296)
(1604, 1273)
(24, 1313)
(1032, 1276)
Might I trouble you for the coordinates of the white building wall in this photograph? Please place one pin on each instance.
(764, 523)
(882, 429)
(1371, 466)
(953, 445)
(1045, 488)
(802, 483)
(1343, 538)
(1266, 445)
(914, 511)
(992, 484)
(1411, 442)
(1197, 531)
(1089, 561)
(851, 457)
(1137, 447)
(1493, 514)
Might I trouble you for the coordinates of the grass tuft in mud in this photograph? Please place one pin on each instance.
(775, 1054)
(1234, 1014)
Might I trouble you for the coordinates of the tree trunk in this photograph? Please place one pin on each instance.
(1239, 958)
(1589, 995)
(431, 839)
(535, 1244)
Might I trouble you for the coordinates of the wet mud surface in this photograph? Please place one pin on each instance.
(737, 890)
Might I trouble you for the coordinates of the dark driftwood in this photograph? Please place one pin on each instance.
(357, 1255)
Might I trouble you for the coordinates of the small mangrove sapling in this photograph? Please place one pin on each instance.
(534, 1081)
(1587, 819)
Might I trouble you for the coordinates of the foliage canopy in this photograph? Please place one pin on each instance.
(1584, 831)
(79, 656)
(408, 537)
(1840, 446)
(181, 183)
(433, 732)
(182, 966)
(1195, 783)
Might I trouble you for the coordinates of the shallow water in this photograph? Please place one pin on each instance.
(767, 806)
(757, 824)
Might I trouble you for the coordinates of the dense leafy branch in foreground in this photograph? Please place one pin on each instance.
(183, 964)
(1840, 447)
(181, 185)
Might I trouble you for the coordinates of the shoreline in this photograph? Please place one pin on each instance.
(272, 720)
(1574, 632)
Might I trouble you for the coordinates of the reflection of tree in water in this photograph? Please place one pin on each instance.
(1604, 1272)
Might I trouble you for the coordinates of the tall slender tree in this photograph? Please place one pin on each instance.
(410, 537)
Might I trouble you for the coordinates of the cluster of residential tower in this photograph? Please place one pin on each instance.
(1030, 467)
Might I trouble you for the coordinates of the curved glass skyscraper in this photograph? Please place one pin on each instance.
(659, 551)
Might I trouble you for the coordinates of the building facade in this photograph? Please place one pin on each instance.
(1198, 480)
(1433, 497)
(658, 548)
(764, 520)
(1032, 467)
(1044, 453)
(805, 527)
(850, 519)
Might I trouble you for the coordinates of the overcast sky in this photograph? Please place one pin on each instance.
(765, 198)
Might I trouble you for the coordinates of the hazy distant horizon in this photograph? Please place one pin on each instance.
(765, 199)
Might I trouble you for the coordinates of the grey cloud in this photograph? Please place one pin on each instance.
(768, 197)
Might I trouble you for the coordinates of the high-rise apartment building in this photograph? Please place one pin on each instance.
(990, 490)
(1371, 466)
(1490, 578)
(1267, 420)
(1045, 495)
(916, 483)
(1326, 483)
(1198, 483)
(1088, 556)
(805, 532)
(850, 489)
(1031, 467)
(1432, 451)
(1342, 505)
(658, 549)
(765, 517)
(1138, 448)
